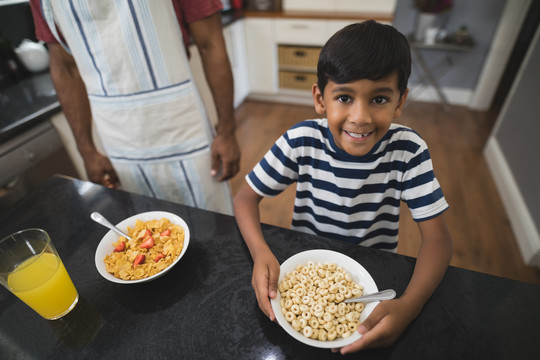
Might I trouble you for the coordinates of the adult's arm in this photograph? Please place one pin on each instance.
(207, 35)
(72, 95)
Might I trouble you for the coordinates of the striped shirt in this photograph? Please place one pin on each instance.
(351, 198)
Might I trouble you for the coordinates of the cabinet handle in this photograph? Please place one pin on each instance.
(300, 53)
(300, 78)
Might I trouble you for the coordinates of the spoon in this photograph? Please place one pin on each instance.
(100, 219)
(381, 295)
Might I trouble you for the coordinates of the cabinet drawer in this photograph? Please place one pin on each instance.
(346, 6)
(296, 80)
(298, 56)
(303, 5)
(299, 31)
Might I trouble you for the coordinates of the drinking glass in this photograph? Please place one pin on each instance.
(31, 269)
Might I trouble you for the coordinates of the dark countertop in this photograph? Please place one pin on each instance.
(205, 307)
(25, 104)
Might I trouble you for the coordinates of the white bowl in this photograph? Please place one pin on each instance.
(106, 246)
(359, 275)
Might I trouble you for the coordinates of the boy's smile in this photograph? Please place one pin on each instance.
(359, 113)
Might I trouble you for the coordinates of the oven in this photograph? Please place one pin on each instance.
(28, 159)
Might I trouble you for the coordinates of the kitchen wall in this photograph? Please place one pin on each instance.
(512, 154)
(481, 18)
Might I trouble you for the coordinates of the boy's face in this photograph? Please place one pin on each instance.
(360, 112)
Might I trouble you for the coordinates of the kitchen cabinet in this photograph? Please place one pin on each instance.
(298, 66)
(236, 48)
(301, 31)
(261, 55)
(366, 6)
(274, 45)
(235, 43)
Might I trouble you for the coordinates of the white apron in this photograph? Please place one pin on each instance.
(145, 104)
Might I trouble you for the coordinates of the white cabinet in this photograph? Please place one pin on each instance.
(236, 50)
(301, 32)
(366, 6)
(308, 32)
(269, 39)
(261, 55)
(303, 5)
(273, 47)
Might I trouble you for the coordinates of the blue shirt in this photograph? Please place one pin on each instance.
(351, 198)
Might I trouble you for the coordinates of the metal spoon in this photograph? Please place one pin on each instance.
(381, 295)
(100, 219)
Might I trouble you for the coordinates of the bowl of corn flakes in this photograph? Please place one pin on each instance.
(312, 288)
(158, 240)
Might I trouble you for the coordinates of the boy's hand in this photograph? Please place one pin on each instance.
(265, 282)
(382, 327)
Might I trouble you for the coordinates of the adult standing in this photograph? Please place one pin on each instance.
(124, 65)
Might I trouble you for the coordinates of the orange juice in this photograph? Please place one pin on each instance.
(43, 283)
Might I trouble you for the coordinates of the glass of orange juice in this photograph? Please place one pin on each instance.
(32, 270)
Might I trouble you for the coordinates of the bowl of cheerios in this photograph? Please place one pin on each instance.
(158, 240)
(312, 288)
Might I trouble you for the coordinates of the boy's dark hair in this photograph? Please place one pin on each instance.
(366, 50)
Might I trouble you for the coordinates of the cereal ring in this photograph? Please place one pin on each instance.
(289, 316)
(308, 331)
(332, 335)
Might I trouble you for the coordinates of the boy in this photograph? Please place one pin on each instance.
(352, 169)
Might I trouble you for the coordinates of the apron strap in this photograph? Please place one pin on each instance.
(48, 15)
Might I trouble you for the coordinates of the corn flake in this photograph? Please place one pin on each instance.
(168, 241)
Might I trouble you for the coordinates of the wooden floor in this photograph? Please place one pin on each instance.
(483, 238)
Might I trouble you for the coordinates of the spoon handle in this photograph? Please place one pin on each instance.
(381, 295)
(100, 219)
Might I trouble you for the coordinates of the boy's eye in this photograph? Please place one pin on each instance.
(380, 100)
(344, 98)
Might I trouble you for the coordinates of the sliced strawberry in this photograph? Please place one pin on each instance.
(147, 233)
(148, 243)
(139, 260)
(159, 257)
(166, 233)
(120, 247)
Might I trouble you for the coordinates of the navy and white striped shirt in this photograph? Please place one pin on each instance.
(351, 198)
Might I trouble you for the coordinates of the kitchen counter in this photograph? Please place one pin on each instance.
(205, 308)
(26, 104)
(320, 15)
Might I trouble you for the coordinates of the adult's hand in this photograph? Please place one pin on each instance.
(207, 35)
(100, 171)
(225, 157)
